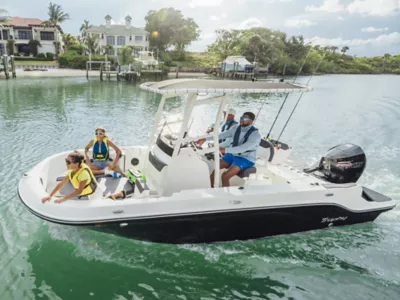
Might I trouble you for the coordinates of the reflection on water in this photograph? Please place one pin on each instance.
(46, 261)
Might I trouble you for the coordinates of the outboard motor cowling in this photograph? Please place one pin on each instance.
(344, 163)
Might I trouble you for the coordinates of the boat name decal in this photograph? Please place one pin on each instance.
(349, 164)
(330, 220)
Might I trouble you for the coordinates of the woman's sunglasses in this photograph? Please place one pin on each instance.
(99, 133)
(68, 162)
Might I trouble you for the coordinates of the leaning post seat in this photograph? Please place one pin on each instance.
(246, 172)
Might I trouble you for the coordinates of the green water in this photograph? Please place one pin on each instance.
(46, 261)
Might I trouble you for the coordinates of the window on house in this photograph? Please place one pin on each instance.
(111, 40)
(2, 51)
(147, 38)
(139, 38)
(130, 38)
(121, 41)
(47, 36)
(25, 34)
(5, 34)
(102, 36)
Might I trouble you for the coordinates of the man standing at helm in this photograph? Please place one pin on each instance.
(242, 154)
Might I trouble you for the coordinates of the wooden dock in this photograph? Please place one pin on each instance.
(130, 73)
(7, 65)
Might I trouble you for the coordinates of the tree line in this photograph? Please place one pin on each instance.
(171, 33)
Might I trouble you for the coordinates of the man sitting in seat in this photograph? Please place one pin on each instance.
(242, 154)
(230, 123)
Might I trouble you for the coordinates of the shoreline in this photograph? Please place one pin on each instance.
(59, 73)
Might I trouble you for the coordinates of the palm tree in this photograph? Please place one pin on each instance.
(68, 41)
(125, 55)
(3, 17)
(108, 49)
(92, 44)
(334, 48)
(344, 50)
(84, 28)
(56, 17)
(327, 49)
(33, 47)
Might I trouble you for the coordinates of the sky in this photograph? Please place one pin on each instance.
(368, 27)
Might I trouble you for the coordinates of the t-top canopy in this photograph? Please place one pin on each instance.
(185, 86)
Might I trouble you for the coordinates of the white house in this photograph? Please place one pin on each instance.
(22, 30)
(119, 36)
(231, 60)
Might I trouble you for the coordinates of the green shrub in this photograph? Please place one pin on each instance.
(25, 58)
(77, 48)
(166, 58)
(71, 59)
(50, 55)
(41, 55)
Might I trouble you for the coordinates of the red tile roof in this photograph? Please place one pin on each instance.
(24, 22)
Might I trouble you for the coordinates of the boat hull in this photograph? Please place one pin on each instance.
(232, 225)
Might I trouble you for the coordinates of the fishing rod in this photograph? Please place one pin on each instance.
(287, 94)
(294, 108)
(262, 105)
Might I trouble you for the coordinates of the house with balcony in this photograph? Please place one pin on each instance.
(119, 36)
(22, 30)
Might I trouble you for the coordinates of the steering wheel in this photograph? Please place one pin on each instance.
(211, 156)
(194, 146)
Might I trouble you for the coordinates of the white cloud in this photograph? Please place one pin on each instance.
(263, 1)
(246, 24)
(379, 8)
(299, 23)
(250, 23)
(340, 18)
(373, 29)
(198, 3)
(218, 18)
(327, 6)
(208, 36)
(383, 40)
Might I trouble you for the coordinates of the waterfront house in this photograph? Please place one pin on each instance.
(22, 30)
(230, 61)
(118, 36)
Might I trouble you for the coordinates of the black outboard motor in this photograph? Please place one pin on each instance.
(344, 163)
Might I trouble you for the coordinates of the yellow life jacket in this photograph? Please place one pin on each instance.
(90, 187)
(100, 151)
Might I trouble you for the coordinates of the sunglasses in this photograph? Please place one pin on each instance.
(68, 162)
(244, 119)
(99, 133)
